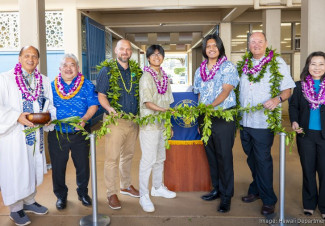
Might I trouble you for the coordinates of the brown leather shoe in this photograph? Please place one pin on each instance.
(250, 198)
(113, 202)
(131, 191)
(267, 209)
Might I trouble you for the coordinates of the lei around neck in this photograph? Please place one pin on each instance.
(161, 86)
(274, 117)
(27, 92)
(114, 92)
(59, 88)
(246, 65)
(308, 89)
(213, 71)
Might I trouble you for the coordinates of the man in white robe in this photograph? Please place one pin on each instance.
(22, 159)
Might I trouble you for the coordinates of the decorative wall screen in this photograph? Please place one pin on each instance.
(9, 30)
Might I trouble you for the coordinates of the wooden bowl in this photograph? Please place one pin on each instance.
(39, 118)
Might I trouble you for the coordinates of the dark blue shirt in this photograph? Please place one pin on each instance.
(128, 101)
(77, 105)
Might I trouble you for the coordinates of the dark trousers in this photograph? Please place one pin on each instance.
(219, 155)
(311, 148)
(257, 145)
(59, 153)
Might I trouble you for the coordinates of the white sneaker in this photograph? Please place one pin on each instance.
(163, 192)
(146, 203)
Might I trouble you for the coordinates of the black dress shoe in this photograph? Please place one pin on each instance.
(61, 204)
(85, 200)
(308, 212)
(250, 198)
(224, 206)
(267, 209)
(214, 194)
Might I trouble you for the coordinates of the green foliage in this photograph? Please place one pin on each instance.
(273, 117)
(113, 93)
(179, 70)
(187, 112)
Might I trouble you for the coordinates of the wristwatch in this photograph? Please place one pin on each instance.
(280, 99)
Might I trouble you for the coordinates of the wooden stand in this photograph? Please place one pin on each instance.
(187, 168)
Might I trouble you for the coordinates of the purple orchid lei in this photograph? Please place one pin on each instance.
(22, 85)
(73, 89)
(161, 87)
(258, 67)
(213, 71)
(308, 90)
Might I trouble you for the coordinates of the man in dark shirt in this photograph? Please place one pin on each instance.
(117, 87)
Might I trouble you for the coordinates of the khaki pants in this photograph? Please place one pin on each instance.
(119, 149)
(19, 205)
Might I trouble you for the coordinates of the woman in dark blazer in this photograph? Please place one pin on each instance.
(307, 116)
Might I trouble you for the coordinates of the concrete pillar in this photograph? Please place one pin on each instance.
(225, 35)
(197, 59)
(32, 28)
(272, 27)
(72, 30)
(312, 28)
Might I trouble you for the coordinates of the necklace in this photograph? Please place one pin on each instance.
(308, 90)
(114, 91)
(59, 88)
(249, 70)
(28, 93)
(273, 117)
(213, 71)
(161, 87)
(127, 90)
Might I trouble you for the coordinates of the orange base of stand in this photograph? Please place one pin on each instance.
(187, 168)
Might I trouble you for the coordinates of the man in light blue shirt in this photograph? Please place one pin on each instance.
(256, 138)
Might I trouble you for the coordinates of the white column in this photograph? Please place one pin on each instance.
(272, 27)
(225, 35)
(312, 28)
(72, 31)
(32, 28)
(197, 59)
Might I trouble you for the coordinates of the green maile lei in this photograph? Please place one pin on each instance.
(192, 113)
(114, 93)
(273, 117)
(188, 112)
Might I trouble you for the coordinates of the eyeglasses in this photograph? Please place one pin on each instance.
(156, 55)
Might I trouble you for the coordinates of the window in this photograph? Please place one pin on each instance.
(175, 65)
(240, 34)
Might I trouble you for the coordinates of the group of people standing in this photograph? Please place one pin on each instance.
(121, 86)
(262, 78)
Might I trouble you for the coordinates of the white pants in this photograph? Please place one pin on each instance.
(19, 205)
(153, 150)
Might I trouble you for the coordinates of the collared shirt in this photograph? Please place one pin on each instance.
(255, 93)
(128, 101)
(149, 93)
(209, 90)
(30, 78)
(77, 105)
